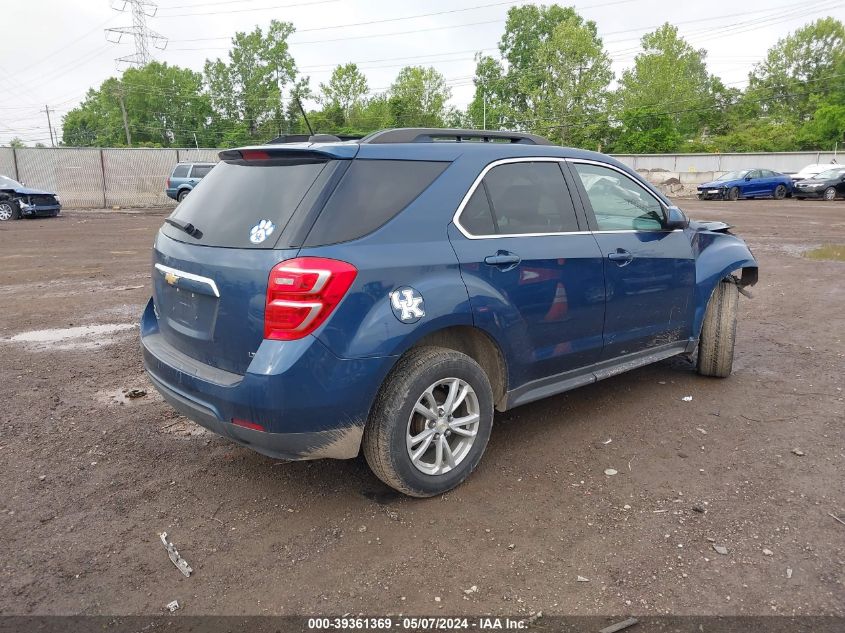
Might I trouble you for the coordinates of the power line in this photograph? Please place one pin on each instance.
(143, 35)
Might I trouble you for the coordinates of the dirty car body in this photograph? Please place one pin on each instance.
(278, 312)
(29, 202)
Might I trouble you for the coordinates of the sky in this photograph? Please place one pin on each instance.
(53, 51)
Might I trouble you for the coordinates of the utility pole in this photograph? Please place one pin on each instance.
(123, 112)
(484, 110)
(50, 126)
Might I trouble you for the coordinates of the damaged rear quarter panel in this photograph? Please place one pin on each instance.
(717, 254)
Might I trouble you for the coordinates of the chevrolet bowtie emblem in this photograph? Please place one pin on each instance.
(171, 279)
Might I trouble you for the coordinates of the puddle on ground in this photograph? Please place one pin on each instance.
(72, 338)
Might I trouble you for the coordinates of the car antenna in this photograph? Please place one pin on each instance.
(304, 116)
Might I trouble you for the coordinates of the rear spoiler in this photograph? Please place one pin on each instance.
(290, 153)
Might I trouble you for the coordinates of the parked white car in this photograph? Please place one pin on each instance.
(811, 171)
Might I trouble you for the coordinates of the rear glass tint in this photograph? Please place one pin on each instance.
(200, 171)
(181, 171)
(371, 193)
(235, 199)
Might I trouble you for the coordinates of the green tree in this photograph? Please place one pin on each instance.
(556, 78)
(246, 92)
(345, 90)
(17, 143)
(164, 107)
(417, 98)
(798, 70)
(668, 96)
(490, 105)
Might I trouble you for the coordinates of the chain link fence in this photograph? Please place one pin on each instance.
(103, 178)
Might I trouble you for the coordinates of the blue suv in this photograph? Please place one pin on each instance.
(184, 177)
(313, 300)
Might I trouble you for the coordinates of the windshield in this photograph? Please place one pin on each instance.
(8, 183)
(831, 174)
(734, 175)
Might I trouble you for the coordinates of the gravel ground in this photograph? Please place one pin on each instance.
(753, 464)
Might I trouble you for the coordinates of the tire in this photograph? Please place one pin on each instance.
(182, 195)
(9, 210)
(395, 419)
(829, 194)
(780, 192)
(718, 332)
(733, 194)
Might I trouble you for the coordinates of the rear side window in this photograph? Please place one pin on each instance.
(200, 171)
(180, 171)
(371, 193)
(236, 198)
(526, 197)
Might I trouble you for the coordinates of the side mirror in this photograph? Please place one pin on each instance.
(747, 178)
(675, 219)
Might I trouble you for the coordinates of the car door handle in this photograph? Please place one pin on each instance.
(621, 257)
(503, 258)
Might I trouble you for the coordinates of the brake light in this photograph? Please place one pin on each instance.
(168, 182)
(254, 154)
(301, 294)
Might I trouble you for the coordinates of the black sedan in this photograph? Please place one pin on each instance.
(18, 201)
(828, 185)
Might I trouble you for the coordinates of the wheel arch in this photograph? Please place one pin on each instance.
(722, 256)
(479, 346)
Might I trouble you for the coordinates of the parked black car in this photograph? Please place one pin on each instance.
(828, 185)
(18, 201)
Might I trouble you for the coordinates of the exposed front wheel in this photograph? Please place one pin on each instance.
(718, 332)
(830, 193)
(780, 192)
(430, 423)
(9, 210)
(733, 193)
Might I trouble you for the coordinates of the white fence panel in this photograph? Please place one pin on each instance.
(137, 177)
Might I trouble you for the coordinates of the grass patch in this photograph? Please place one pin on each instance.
(828, 251)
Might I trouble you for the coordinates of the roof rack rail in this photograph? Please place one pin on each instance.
(434, 135)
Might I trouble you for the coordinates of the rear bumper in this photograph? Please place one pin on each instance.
(312, 404)
(172, 193)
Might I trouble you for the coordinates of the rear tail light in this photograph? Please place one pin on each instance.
(301, 294)
(168, 183)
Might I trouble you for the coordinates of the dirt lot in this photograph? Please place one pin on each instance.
(89, 478)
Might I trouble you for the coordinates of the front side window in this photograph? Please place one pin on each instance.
(619, 203)
(524, 198)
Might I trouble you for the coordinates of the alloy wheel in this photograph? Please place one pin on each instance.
(5, 211)
(442, 426)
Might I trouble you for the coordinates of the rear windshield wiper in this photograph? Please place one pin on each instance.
(189, 228)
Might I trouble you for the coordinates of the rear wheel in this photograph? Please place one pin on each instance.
(733, 193)
(9, 210)
(780, 192)
(181, 195)
(830, 193)
(718, 332)
(430, 423)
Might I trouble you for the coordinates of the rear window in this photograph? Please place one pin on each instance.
(200, 171)
(234, 199)
(371, 193)
(180, 171)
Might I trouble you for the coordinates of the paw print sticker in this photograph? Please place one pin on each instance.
(261, 231)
